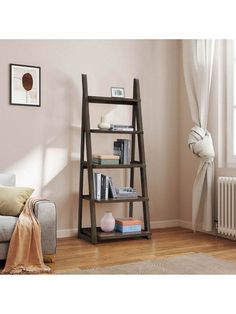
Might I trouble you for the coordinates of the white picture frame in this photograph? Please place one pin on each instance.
(117, 92)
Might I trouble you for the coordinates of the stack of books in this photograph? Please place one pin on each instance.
(100, 186)
(126, 192)
(103, 187)
(122, 148)
(126, 225)
(106, 159)
(121, 127)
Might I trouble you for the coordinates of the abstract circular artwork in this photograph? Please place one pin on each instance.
(25, 85)
(27, 81)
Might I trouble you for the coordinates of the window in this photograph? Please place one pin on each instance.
(231, 102)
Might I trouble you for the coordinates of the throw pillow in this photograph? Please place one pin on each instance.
(13, 199)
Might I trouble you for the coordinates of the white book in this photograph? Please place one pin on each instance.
(125, 151)
(129, 152)
(123, 129)
(106, 187)
(125, 126)
(98, 187)
(95, 185)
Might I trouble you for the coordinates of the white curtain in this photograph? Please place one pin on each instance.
(198, 62)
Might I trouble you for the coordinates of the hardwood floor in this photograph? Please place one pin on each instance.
(75, 253)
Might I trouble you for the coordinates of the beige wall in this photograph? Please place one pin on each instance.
(41, 145)
(162, 132)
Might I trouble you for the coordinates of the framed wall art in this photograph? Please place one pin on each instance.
(25, 85)
(117, 92)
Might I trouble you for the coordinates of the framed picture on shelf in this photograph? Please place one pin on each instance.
(117, 92)
(25, 85)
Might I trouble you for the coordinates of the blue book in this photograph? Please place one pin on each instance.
(130, 228)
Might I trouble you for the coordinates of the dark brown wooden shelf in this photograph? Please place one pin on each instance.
(103, 236)
(94, 234)
(118, 200)
(114, 132)
(112, 100)
(119, 166)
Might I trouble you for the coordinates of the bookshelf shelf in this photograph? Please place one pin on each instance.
(114, 132)
(94, 233)
(112, 100)
(118, 200)
(104, 236)
(119, 166)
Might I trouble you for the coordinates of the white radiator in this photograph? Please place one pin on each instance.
(227, 206)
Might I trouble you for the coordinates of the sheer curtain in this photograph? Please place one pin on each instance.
(198, 62)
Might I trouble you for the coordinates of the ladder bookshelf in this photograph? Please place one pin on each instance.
(94, 234)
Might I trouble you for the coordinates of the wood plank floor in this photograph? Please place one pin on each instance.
(75, 253)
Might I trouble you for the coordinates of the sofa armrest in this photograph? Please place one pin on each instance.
(45, 211)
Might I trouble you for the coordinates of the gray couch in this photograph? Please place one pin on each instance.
(45, 211)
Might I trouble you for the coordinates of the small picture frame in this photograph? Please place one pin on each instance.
(117, 92)
(25, 85)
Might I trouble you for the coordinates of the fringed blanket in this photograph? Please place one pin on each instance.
(25, 252)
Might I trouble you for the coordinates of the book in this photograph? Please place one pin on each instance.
(128, 195)
(98, 186)
(105, 157)
(122, 126)
(118, 150)
(106, 161)
(123, 129)
(104, 186)
(126, 192)
(131, 228)
(112, 190)
(126, 189)
(127, 221)
(120, 143)
(95, 185)
(129, 151)
(125, 151)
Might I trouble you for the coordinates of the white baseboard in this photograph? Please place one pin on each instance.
(66, 233)
(164, 224)
(185, 224)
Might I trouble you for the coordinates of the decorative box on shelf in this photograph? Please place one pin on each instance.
(128, 224)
